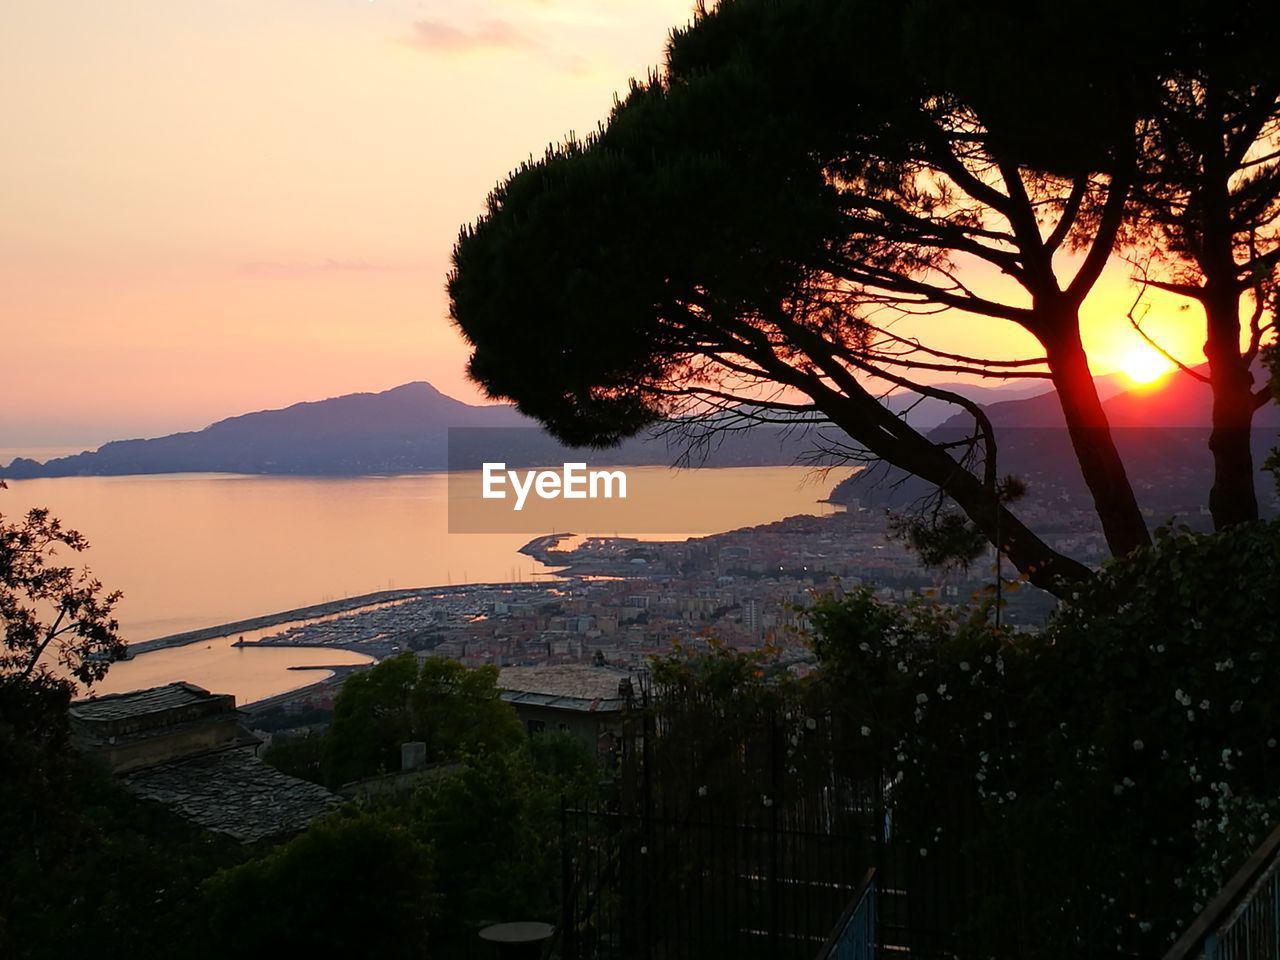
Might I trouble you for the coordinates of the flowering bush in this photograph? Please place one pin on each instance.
(1109, 773)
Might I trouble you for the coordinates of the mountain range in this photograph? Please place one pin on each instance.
(403, 430)
(1161, 433)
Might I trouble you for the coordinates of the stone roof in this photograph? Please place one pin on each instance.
(184, 747)
(568, 686)
(233, 793)
(141, 713)
(117, 706)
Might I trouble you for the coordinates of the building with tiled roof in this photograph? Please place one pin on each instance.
(587, 701)
(184, 747)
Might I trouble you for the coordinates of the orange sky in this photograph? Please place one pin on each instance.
(214, 207)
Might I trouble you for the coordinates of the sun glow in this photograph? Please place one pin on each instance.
(1144, 365)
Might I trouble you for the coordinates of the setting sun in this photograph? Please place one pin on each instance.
(1144, 365)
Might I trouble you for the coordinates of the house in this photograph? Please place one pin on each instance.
(586, 701)
(184, 747)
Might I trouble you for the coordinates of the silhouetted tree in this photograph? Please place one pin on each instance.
(52, 616)
(1209, 183)
(750, 222)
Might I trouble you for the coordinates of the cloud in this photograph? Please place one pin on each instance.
(327, 265)
(436, 35)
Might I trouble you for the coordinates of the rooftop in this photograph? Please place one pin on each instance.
(184, 747)
(569, 686)
(138, 703)
(235, 794)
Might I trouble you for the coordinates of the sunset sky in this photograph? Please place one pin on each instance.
(215, 207)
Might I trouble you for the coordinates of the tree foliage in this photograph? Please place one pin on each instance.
(85, 867)
(56, 620)
(495, 826)
(1115, 768)
(740, 236)
(357, 884)
(455, 711)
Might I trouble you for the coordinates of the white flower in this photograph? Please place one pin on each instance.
(866, 731)
(1182, 698)
(924, 852)
(811, 724)
(922, 698)
(986, 715)
(942, 689)
(964, 666)
(1237, 706)
(1137, 744)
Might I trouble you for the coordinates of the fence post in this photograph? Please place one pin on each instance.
(774, 905)
(568, 911)
(646, 837)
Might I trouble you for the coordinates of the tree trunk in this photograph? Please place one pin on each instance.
(1094, 446)
(1233, 498)
(868, 422)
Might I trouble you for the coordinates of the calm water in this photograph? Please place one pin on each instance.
(249, 673)
(194, 550)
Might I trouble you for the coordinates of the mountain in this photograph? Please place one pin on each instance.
(1161, 433)
(1180, 401)
(403, 430)
(925, 413)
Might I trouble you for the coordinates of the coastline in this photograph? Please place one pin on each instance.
(311, 612)
(335, 675)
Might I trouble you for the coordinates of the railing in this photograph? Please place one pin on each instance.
(854, 936)
(642, 888)
(1243, 921)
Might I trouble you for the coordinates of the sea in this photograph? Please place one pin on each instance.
(190, 551)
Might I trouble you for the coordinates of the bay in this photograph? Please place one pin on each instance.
(195, 550)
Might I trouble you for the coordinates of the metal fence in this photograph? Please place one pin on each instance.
(746, 835)
(641, 888)
(854, 937)
(1243, 921)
